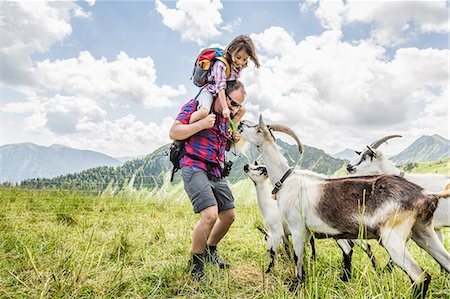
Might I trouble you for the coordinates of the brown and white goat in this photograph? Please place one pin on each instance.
(371, 161)
(277, 231)
(384, 207)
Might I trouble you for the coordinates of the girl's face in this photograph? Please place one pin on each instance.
(240, 59)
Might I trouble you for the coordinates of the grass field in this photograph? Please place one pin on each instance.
(136, 244)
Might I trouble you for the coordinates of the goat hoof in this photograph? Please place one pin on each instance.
(345, 278)
(420, 290)
(294, 285)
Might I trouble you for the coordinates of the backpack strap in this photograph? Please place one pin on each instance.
(227, 65)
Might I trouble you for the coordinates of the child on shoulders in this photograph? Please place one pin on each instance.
(237, 54)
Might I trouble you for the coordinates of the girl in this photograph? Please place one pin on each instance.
(237, 54)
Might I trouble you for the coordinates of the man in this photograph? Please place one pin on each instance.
(202, 168)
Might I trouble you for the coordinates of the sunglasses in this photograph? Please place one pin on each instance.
(233, 102)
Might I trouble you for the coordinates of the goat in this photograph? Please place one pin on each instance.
(278, 232)
(372, 161)
(384, 207)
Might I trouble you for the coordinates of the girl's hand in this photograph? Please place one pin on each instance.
(226, 112)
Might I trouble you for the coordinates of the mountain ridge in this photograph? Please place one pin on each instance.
(28, 160)
(151, 170)
(424, 149)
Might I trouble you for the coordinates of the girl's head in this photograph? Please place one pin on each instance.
(240, 50)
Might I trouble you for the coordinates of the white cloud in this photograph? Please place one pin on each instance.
(90, 2)
(196, 21)
(122, 80)
(81, 123)
(393, 22)
(325, 87)
(30, 27)
(59, 114)
(125, 136)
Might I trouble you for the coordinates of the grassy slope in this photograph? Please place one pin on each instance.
(440, 166)
(136, 244)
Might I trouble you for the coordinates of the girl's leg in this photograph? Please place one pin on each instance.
(204, 105)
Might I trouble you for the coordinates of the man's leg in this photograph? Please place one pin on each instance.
(203, 228)
(219, 230)
(200, 234)
(221, 226)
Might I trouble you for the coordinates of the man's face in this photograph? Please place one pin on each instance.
(235, 100)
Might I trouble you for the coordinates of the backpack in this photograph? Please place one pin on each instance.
(177, 151)
(204, 63)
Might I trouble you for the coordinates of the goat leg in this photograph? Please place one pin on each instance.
(347, 251)
(272, 260)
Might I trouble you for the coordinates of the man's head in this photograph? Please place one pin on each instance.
(235, 94)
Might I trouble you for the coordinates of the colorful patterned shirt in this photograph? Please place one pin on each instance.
(208, 145)
(219, 76)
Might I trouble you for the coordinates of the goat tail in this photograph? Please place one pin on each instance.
(445, 193)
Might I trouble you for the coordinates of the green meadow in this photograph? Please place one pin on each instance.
(136, 244)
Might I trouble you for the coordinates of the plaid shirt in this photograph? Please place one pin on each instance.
(219, 76)
(208, 144)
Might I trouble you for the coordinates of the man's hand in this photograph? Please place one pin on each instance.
(208, 121)
(226, 112)
(236, 136)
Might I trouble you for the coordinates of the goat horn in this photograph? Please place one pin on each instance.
(379, 142)
(290, 132)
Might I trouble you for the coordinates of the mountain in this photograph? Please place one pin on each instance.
(152, 170)
(347, 154)
(424, 149)
(128, 158)
(27, 160)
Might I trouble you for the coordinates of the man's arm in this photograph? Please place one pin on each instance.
(180, 131)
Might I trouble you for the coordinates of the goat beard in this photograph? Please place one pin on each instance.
(242, 146)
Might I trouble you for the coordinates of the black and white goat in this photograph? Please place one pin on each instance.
(372, 161)
(277, 231)
(384, 207)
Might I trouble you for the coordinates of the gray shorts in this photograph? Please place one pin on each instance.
(205, 193)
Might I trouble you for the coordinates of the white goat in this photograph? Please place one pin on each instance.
(372, 161)
(278, 232)
(384, 207)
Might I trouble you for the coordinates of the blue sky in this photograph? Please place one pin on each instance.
(111, 76)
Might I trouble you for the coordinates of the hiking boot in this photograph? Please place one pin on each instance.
(197, 272)
(196, 266)
(211, 256)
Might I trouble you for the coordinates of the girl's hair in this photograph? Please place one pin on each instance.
(241, 42)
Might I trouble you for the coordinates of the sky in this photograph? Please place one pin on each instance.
(111, 76)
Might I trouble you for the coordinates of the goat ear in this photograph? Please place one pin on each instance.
(358, 153)
(262, 126)
(256, 163)
(372, 152)
(261, 121)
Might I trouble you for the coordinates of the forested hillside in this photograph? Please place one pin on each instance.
(152, 170)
